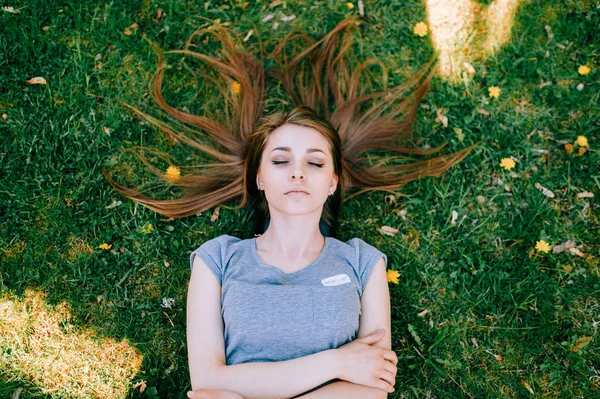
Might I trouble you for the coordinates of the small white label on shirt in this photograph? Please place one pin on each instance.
(336, 280)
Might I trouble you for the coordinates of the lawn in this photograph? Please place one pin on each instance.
(93, 285)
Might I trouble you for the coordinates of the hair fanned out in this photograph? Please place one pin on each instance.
(316, 75)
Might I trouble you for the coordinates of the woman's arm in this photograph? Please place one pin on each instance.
(376, 314)
(345, 390)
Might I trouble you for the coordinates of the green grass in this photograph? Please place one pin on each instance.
(487, 293)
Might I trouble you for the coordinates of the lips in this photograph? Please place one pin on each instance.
(297, 190)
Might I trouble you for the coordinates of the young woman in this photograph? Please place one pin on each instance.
(292, 311)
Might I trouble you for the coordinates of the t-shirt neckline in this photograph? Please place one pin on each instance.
(310, 265)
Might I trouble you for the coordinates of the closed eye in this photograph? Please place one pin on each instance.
(319, 165)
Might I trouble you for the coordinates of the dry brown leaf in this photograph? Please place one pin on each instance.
(544, 190)
(141, 385)
(526, 385)
(563, 247)
(423, 313)
(577, 252)
(4, 116)
(38, 80)
(250, 32)
(441, 117)
(483, 111)
(387, 230)
(585, 194)
(581, 343)
(127, 32)
(569, 148)
(390, 199)
(215, 214)
(134, 25)
(11, 10)
(469, 68)
(454, 217)
(581, 151)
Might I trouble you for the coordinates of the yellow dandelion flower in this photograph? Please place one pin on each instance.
(236, 88)
(173, 173)
(569, 148)
(584, 70)
(392, 276)
(582, 141)
(542, 246)
(507, 163)
(105, 246)
(420, 29)
(147, 228)
(350, 5)
(494, 91)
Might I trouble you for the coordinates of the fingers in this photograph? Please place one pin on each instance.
(391, 368)
(391, 356)
(389, 377)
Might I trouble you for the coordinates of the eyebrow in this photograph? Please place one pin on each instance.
(288, 149)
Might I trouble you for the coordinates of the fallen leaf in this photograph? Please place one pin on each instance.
(454, 217)
(483, 111)
(569, 148)
(361, 8)
(459, 134)
(215, 214)
(441, 117)
(581, 343)
(563, 247)
(127, 32)
(141, 385)
(526, 385)
(387, 230)
(577, 252)
(37, 81)
(423, 313)
(544, 190)
(134, 25)
(469, 68)
(11, 10)
(250, 32)
(268, 18)
(585, 194)
(390, 199)
(4, 116)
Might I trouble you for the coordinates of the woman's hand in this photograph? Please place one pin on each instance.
(213, 394)
(364, 364)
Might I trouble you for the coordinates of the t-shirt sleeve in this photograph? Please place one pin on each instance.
(212, 252)
(367, 257)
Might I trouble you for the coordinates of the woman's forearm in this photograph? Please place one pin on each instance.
(272, 380)
(345, 390)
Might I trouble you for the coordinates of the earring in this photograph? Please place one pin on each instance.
(331, 191)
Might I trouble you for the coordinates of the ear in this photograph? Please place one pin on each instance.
(334, 180)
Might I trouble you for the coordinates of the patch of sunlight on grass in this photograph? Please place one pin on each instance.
(38, 343)
(465, 31)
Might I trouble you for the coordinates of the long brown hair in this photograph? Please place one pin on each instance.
(316, 75)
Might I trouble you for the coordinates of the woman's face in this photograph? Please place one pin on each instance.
(296, 158)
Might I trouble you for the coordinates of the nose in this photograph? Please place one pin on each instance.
(297, 172)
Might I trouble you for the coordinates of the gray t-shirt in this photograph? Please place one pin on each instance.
(272, 316)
